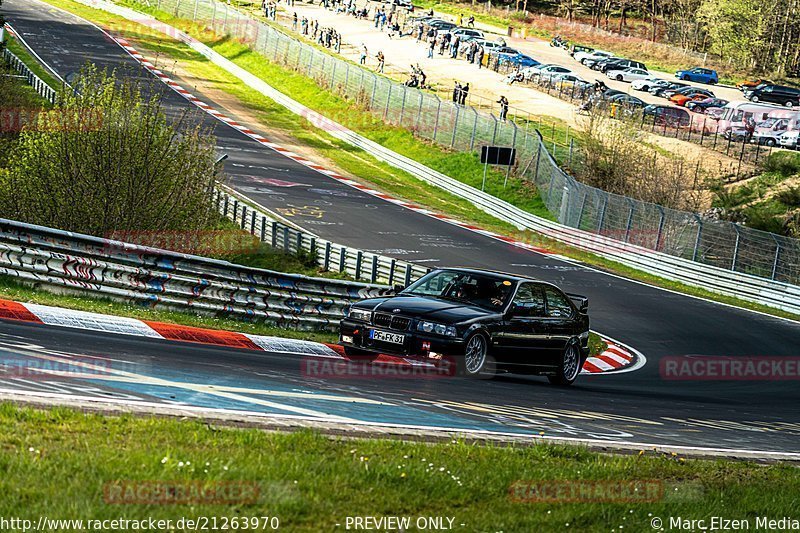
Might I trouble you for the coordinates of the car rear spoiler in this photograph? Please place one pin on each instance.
(582, 302)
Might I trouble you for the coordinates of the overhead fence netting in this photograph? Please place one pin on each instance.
(463, 128)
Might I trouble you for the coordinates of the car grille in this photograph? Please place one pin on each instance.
(391, 321)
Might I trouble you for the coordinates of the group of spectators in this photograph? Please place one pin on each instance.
(270, 9)
(327, 37)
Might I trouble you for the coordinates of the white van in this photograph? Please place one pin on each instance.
(737, 112)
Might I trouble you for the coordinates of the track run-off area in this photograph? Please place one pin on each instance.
(641, 408)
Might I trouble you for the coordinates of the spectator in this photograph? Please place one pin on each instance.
(457, 93)
(431, 46)
(381, 62)
(363, 58)
(460, 19)
(294, 21)
(464, 94)
(479, 56)
(503, 108)
(454, 47)
(420, 31)
(471, 22)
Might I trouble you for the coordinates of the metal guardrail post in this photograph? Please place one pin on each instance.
(359, 259)
(455, 127)
(388, 101)
(342, 259)
(403, 103)
(630, 220)
(327, 257)
(735, 247)
(274, 234)
(244, 216)
(286, 237)
(253, 222)
(392, 266)
(699, 236)
(235, 211)
(313, 246)
(438, 112)
(263, 228)
(660, 229)
(777, 257)
(374, 274)
(602, 217)
(407, 280)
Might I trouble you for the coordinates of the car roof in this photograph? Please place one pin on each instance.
(487, 272)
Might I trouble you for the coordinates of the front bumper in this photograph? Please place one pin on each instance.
(356, 334)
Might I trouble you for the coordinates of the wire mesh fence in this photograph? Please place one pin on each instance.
(464, 128)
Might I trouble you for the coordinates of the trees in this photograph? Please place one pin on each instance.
(107, 158)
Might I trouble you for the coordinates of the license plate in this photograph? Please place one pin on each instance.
(385, 336)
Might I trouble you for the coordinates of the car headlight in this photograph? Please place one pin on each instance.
(439, 329)
(360, 314)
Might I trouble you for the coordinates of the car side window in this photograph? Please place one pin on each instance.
(558, 305)
(529, 300)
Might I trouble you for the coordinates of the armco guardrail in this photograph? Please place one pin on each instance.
(329, 256)
(647, 237)
(16, 64)
(151, 277)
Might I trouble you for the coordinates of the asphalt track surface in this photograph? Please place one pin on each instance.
(638, 406)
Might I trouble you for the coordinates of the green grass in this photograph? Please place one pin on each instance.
(58, 462)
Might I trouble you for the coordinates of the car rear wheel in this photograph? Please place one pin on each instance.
(754, 98)
(619, 77)
(476, 356)
(770, 142)
(570, 365)
(354, 354)
(789, 104)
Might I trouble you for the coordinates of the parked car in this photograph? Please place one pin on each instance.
(752, 84)
(519, 59)
(624, 105)
(478, 319)
(467, 33)
(490, 47)
(701, 106)
(628, 74)
(790, 139)
(689, 89)
(776, 94)
(698, 74)
(595, 55)
(578, 48)
(648, 83)
(659, 90)
(770, 131)
(664, 115)
(688, 94)
(617, 63)
(572, 84)
(548, 72)
(441, 25)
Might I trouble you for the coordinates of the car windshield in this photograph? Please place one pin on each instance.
(472, 288)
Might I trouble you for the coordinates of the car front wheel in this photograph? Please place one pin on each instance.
(570, 365)
(476, 355)
(754, 98)
(789, 104)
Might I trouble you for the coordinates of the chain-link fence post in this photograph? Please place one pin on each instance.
(777, 257)
(735, 246)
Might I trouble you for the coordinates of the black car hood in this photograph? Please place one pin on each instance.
(435, 309)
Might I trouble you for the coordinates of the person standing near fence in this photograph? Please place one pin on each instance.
(381, 62)
(456, 93)
(363, 59)
(431, 46)
(464, 93)
(294, 21)
(503, 108)
(479, 56)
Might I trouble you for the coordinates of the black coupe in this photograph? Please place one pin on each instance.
(481, 321)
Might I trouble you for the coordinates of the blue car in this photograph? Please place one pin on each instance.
(698, 74)
(519, 59)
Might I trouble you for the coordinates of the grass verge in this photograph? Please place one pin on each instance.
(32, 63)
(352, 160)
(66, 464)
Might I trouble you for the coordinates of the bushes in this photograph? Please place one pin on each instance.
(108, 159)
(784, 163)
